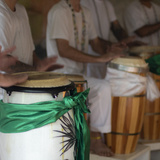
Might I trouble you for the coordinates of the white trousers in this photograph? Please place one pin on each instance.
(96, 70)
(100, 102)
(100, 105)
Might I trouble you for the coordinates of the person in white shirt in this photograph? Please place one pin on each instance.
(142, 18)
(105, 20)
(15, 31)
(69, 31)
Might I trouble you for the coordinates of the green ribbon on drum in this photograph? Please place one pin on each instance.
(16, 118)
(154, 64)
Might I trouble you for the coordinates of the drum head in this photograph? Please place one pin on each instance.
(129, 64)
(43, 82)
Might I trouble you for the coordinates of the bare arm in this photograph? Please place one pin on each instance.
(118, 31)
(100, 45)
(147, 30)
(7, 80)
(21, 67)
(66, 51)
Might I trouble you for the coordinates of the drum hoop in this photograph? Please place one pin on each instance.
(152, 114)
(134, 96)
(85, 81)
(126, 134)
(128, 68)
(51, 90)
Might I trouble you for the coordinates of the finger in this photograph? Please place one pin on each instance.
(54, 67)
(7, 51)
(20, 78)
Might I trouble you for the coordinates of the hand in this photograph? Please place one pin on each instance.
(7, 60)
(128, 40)
(7, 80)
(115, 51)
(136, 44)
(48, 64)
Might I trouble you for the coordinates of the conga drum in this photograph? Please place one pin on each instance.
(80, 84)
(144, 52)
(127, 111)
(46, 142)
(151, 125)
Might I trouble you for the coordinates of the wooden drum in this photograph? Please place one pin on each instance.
(80, 84)
(127, 111)
(151, 126)
(43, 143)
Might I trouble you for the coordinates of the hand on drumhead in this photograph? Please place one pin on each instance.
(48, 64)
(128, 40)
(115, 51)
(7, 80)
(6, 60)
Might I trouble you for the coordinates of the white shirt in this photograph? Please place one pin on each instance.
(60, 26)
(138, 15)
(103, 14)
(15, 31)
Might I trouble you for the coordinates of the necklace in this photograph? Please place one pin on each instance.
(148, 21)
(98, 17)
(76, 29)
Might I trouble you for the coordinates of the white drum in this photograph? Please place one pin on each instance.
(43, 143)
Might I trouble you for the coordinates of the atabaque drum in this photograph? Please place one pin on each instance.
(46, 142)
(151, 125)
(127, 109)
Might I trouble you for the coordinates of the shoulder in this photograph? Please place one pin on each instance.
(108, 3)
(134, 7)
(60, 8)
(156, 5)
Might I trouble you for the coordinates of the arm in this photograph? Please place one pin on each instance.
(66, 51)
(147, 30)
(7, 80)
(100, 45)
(118, 31)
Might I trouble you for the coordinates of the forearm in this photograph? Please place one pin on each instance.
(147, 30)
(118, 31)
(79, 56)
(101, 46)
(66, 51)
(21, 67)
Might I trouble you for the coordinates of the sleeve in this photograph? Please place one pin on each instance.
(111, 11)
(91, 29)
(58, 22)
(6, 40)
(134, 19)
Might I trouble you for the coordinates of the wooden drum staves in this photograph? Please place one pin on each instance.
(127, 113)
(151, 126)
(80, 84)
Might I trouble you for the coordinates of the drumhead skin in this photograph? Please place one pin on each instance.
(44, 142)
(129, 64)
(43, 82)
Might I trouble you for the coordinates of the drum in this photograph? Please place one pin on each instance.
(151, 126)
(80, 83)
(144, 52)
(44, 142)
(127, 111)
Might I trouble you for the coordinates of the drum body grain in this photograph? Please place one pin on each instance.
(151, 126)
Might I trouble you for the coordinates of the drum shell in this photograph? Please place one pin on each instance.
(151, 126)
(127, 119)
(38, 144)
